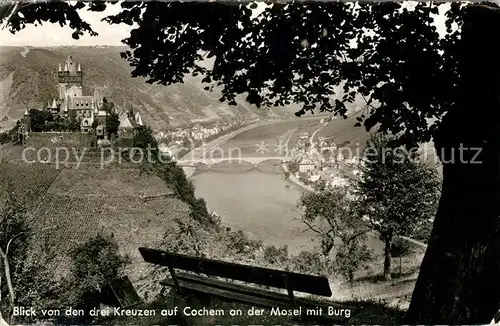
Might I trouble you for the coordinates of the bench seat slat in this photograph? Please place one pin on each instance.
(264, 276)
(242, 298)
(247, 290)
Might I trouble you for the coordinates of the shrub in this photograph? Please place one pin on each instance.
(351, 256)
(311, 262)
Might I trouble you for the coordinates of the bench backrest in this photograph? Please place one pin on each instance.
(264, 276)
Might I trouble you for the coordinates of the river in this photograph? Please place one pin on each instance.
(258, 203)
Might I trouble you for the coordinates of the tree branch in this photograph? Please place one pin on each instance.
(311, 226)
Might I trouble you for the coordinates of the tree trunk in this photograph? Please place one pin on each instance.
(387, 259)
(459, 280)
(400, 266)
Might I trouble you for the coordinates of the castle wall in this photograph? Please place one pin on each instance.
(46, 145)
(59, 139)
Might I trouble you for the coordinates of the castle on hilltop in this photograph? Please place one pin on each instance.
(71, 98)
(74, 112)
(87, 111)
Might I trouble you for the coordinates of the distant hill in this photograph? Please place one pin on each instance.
(28, 79)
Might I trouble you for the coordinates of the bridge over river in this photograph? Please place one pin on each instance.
(241, 160)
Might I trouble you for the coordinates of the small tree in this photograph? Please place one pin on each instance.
(112, 123)
(293, 167)
(310, 262)
(25, 280)
(329, 212)
(39, 119)
(143, 138)
(13, 246)
(400, 248)
(351, 255)
(277, 256)
(395, 192)
(92, 264)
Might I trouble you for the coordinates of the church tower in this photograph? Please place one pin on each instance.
(70, 79)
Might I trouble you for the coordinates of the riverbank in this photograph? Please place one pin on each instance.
(296, 180)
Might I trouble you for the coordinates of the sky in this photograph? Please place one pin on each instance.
(54, 35)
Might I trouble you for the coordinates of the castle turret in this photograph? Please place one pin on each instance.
(54, 105)
(26, 113)
(60, 68)
(70, 79)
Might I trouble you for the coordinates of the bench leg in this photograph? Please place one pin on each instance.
(174, 278)
(291, 294)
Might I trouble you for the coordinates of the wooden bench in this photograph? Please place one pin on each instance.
(188, 282)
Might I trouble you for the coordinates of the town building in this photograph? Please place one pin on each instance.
(128, 125)
(306, 165)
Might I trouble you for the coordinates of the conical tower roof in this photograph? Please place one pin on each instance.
(138, 119)
(54, 105)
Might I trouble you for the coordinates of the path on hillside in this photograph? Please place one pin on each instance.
(311, 140)
(289, 134)
(25, 51)
(416, 242)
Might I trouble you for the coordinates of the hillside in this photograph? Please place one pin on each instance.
(72, 205)
(28, 80)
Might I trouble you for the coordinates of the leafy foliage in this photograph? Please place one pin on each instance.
(277, 256)
(395, 192)
(112, 123)
(330, 214)
(92, 264)
(400, 248)
(351, 256)
(311, 262)
(32, 282)
(43, 120)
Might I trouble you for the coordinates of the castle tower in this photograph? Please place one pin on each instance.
(70, 79)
